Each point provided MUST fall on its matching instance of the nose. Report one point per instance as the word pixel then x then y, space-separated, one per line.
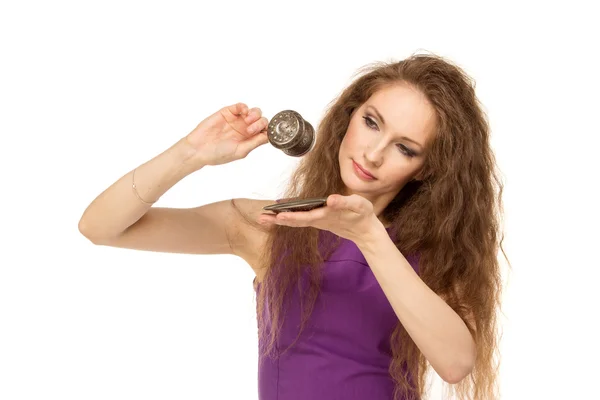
pixel 374 153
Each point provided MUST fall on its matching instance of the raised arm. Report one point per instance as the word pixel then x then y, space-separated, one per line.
pixel 123 216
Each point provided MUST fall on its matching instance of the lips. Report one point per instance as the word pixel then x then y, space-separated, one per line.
pixel 367 173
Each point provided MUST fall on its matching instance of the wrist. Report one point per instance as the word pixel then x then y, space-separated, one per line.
pixel 186 156
pixel 373 235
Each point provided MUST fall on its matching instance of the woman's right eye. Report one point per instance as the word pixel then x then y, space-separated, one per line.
pixel 370 123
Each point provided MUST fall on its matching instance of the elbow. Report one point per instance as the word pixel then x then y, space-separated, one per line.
pixel 84 229
pixel 89 233
pixel 460 369
pixel 456 375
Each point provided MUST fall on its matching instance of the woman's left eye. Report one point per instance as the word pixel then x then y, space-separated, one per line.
pixel 370 123
pixel 373 125
pixel 406 151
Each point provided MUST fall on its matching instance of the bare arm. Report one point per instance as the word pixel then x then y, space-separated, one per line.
pixel 438 331
pixel 117 217
pixel 117 208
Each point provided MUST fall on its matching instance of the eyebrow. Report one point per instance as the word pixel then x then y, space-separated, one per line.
pixel 383 123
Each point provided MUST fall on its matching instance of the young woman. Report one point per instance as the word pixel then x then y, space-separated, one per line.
pixel 396 273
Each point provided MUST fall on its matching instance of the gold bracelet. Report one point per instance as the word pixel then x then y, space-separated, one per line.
pixel 136 192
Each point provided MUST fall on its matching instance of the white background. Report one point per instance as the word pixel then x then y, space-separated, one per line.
pixel 90 90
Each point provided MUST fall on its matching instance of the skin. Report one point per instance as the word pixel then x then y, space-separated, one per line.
pixel 387 136
pixel 386 148
pixel 393 152
pixel 118 218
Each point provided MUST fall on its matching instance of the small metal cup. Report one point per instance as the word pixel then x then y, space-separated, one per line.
pixel 290 133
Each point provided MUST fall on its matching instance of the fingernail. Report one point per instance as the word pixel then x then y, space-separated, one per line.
pixel 251 129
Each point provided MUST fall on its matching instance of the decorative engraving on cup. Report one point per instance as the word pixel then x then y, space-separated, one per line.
pixel 290 133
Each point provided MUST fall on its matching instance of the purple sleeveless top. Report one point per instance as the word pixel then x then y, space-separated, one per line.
pixel 344 351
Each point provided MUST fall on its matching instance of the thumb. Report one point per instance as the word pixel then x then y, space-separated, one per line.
pixel 255 141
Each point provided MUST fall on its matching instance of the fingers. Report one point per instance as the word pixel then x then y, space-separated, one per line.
pixel 259 125
pixel 337 201
pixel 353 203
pixel 238 109
pixel 253 114
pixel 301 219
pixel 252 143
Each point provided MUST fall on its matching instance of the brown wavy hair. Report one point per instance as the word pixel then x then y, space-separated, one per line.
pixel 451 218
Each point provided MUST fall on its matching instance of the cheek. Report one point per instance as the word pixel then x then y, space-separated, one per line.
pixel 352 138
pixel 405 172
pixel 400 170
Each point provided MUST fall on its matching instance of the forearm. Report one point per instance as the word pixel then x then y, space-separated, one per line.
pixel 437 330
pixel 118 207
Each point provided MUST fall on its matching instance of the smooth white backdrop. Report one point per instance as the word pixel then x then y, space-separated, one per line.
pixel 90 90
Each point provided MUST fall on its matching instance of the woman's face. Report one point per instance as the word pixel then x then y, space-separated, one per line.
pixel 386 137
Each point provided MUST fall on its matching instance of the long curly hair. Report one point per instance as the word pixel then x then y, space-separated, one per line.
pixel 451 218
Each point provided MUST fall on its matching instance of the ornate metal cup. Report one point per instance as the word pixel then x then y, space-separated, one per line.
pixel 290 133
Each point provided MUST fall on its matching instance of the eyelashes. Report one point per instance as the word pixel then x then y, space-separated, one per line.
pixel 370 123
pixel 373 126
